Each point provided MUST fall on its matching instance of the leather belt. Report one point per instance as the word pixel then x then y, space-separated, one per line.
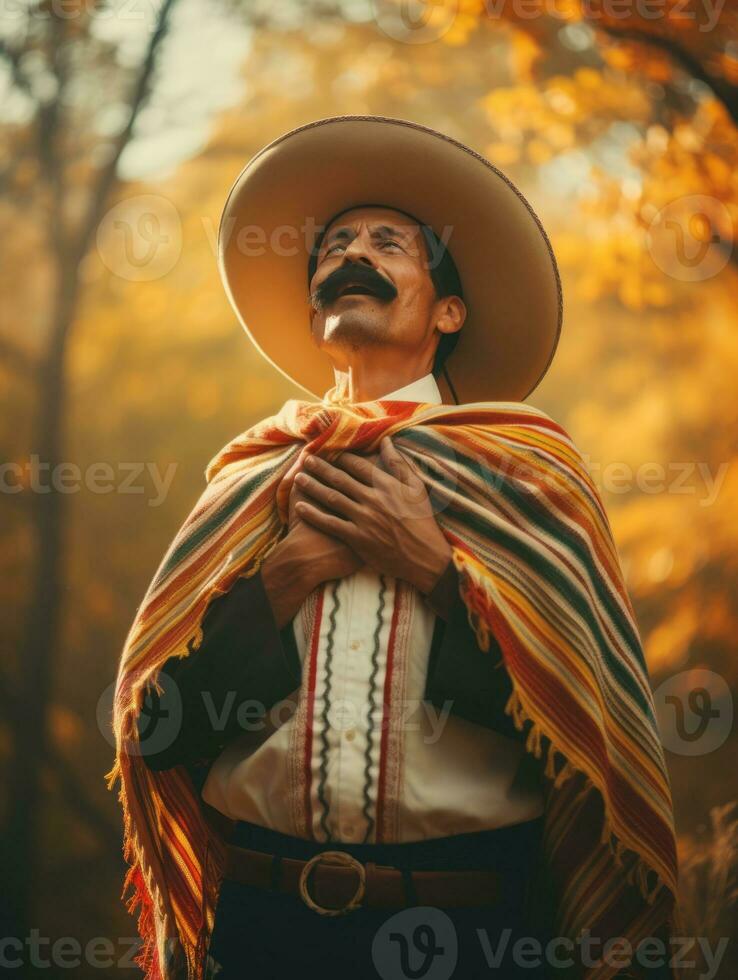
pixel 335 882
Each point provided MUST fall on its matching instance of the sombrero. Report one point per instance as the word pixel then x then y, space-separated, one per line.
pixel 293 187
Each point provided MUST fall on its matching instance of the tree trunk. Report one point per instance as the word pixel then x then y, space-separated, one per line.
pixel 41 634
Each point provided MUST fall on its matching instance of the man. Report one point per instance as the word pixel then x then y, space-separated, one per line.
pixel 377 581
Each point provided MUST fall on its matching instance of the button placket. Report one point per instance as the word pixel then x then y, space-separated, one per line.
pixel 362 613
pixel 381 616
pixel 346 594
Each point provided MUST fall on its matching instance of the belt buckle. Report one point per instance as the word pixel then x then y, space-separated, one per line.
pixel 336 858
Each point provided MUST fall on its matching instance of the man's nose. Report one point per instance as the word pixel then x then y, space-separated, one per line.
pixel 359 250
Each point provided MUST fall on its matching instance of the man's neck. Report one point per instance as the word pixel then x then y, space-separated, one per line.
pixel 369 387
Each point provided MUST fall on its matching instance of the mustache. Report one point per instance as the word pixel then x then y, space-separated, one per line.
pixel 359 275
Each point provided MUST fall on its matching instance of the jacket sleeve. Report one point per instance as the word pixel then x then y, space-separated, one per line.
pixel 470 682
pixel 243 657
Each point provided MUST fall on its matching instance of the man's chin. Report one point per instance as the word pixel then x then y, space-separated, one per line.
pixel 354 325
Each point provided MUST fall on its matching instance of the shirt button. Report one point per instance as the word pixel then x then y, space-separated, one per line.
pixel 355 644
pixel 347 830
pixel 350 734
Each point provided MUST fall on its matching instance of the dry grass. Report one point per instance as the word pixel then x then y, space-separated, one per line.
pixel 709 883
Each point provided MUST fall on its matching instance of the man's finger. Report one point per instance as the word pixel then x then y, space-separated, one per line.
pixel 336 476
pixel 327 496
pixel 363 469
pixel 395 462
pixel 329 523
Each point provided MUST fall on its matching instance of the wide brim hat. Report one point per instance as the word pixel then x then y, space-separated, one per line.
pixel 292 189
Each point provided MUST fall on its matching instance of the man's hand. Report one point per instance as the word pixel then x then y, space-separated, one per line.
pixel 303 559
pixel 331 556
pixel 383 513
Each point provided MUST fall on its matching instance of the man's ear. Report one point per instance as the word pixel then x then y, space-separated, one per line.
pixel 450 315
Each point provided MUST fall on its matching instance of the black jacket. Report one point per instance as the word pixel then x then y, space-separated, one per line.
pixel 243 656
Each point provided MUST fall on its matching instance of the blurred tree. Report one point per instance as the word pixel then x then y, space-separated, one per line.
pixel 667 75
pixel 55 163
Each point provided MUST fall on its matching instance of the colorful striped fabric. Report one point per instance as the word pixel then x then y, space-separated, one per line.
pixel 539 570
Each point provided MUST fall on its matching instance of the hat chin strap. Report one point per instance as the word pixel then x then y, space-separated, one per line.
pixel 450 385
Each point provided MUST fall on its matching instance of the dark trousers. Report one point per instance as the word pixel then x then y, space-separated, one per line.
pixel 261 935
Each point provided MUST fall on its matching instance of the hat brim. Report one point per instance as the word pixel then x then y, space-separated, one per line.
pixel 296 184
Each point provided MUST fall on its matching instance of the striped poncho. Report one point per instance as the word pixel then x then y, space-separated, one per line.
pixel 539 571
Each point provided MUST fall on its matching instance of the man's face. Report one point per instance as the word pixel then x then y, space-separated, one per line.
pixel 372 285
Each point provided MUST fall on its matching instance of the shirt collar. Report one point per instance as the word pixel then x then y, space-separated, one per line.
pixel 422 389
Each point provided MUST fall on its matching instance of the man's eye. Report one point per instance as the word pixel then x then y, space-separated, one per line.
pixel 382 244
